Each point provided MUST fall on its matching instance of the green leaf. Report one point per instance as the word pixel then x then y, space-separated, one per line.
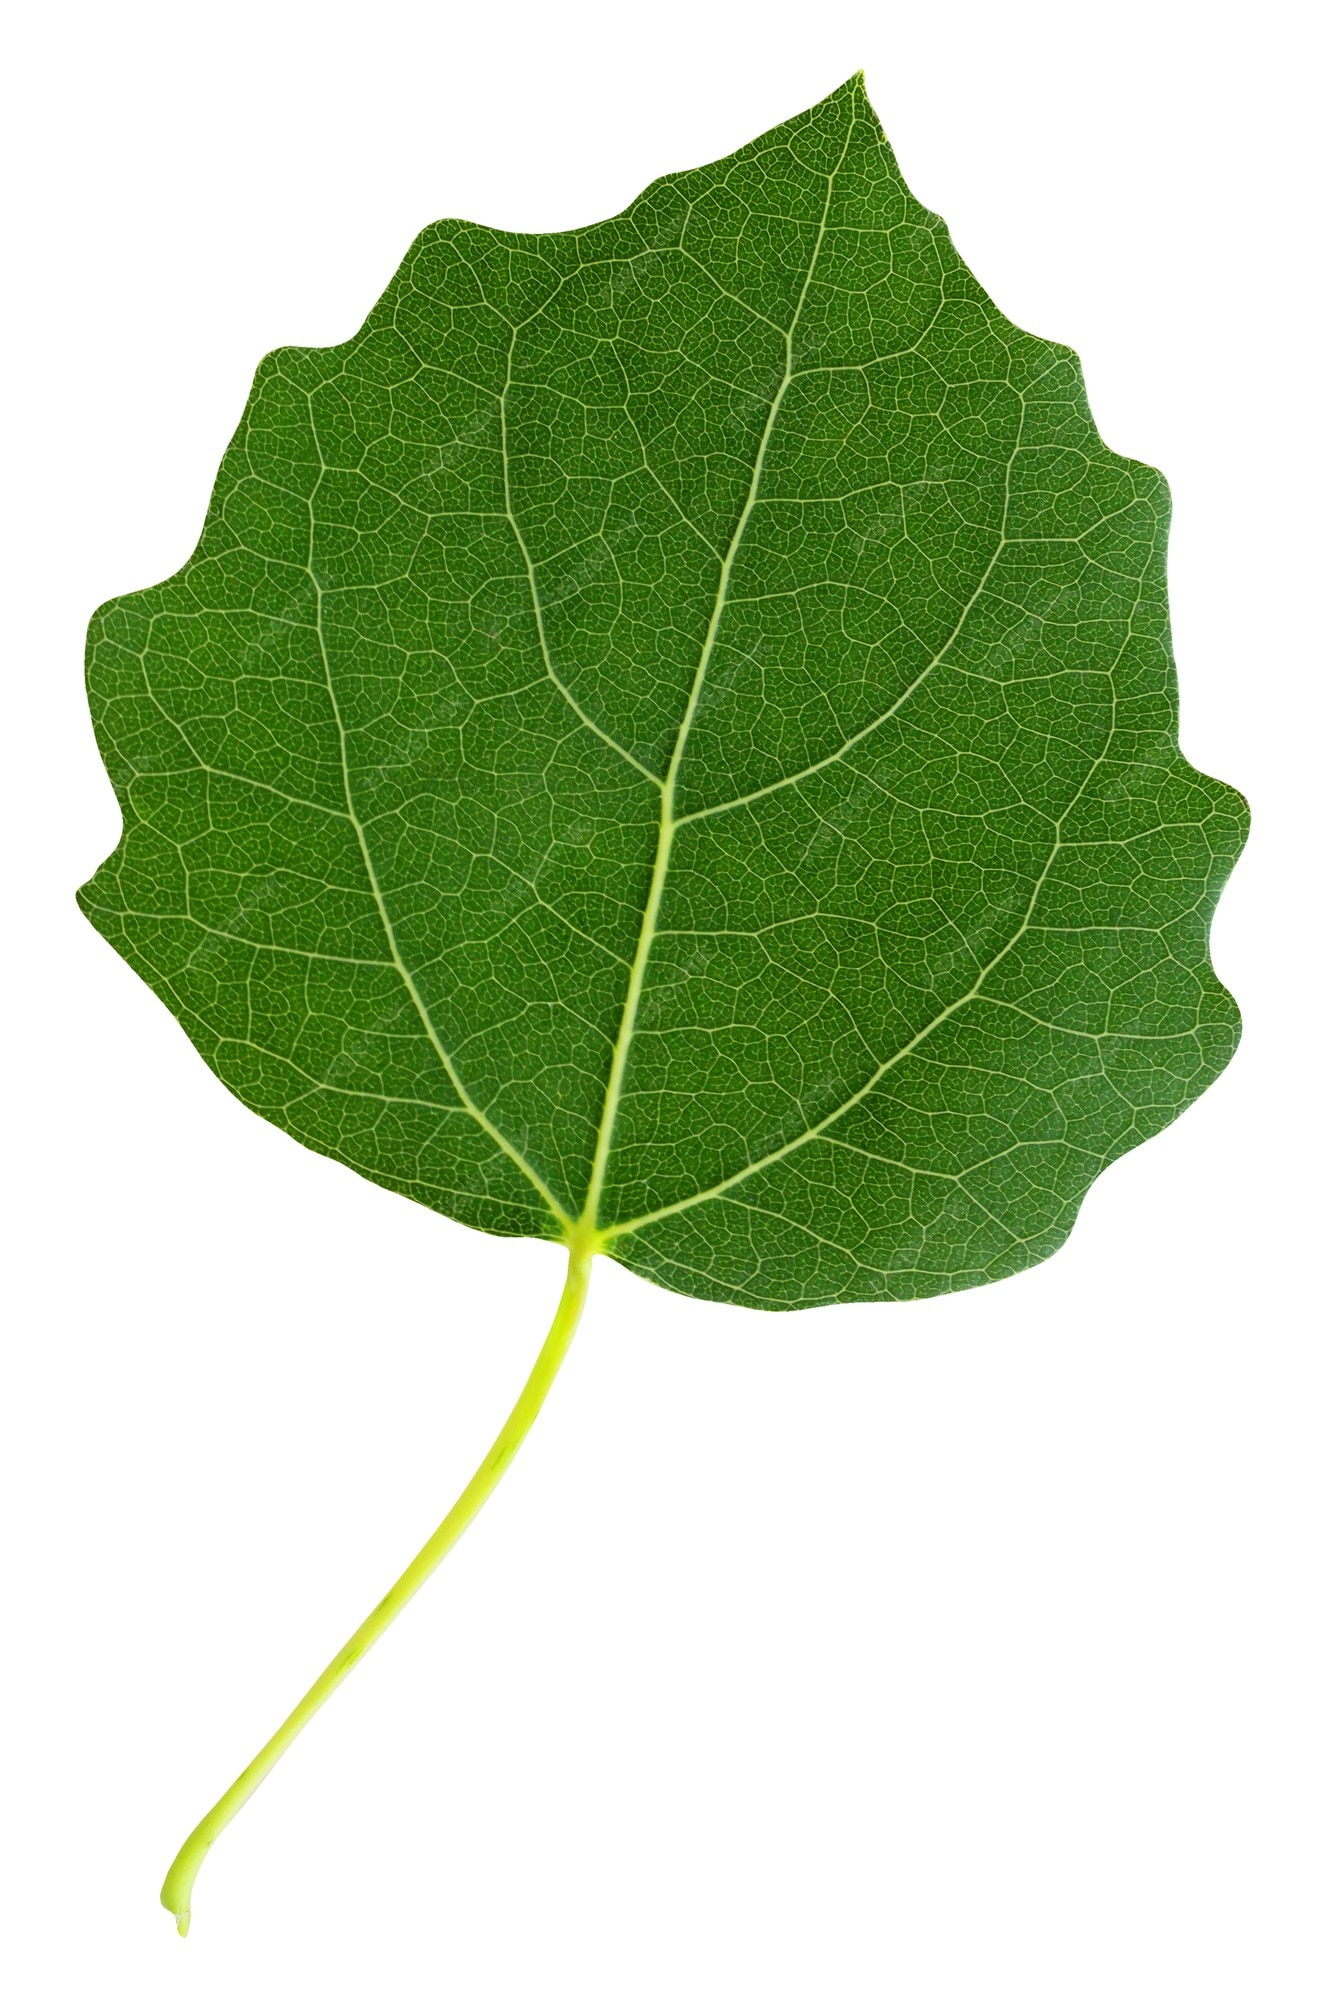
pixel 668 742
pixel 674 723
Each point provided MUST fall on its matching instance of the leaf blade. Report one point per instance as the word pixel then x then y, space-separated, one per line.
pixel 748 715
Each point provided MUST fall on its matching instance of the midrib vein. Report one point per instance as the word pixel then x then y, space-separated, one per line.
pixel 667 821
pixel 469 1104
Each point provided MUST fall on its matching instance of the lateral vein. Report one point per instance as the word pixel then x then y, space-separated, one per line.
pixel 537 612
pixel 493 1132
pixel 818 1130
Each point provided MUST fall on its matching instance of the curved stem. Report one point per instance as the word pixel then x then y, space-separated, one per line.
pixel 180 1876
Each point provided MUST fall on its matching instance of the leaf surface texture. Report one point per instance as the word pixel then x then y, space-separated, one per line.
pixel 674 723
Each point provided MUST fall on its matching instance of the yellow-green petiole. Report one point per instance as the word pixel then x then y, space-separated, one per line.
pixel 583 1244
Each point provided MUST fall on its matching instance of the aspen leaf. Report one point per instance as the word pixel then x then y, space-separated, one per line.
pixel 668 743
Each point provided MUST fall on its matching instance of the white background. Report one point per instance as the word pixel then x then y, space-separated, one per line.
pixel 952 1651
